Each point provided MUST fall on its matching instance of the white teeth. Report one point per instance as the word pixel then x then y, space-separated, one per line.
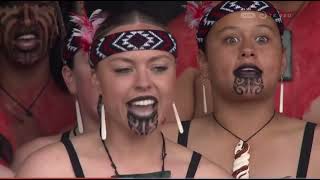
pixel 27 36
pixel 248 69
pixel 143 102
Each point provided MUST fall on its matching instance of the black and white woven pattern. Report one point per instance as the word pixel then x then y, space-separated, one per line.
pixel 132 41
pixel 226 7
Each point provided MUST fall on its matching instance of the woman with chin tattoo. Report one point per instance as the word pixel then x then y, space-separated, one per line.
pixel 240 46
pixel 133 61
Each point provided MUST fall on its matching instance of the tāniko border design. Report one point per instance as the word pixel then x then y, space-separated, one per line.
pixel 132 41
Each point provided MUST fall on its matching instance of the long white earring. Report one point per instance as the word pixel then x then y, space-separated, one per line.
pixel 103 123
pixel 177 118
pixel 79 118
pixel 205 110
pixel 281 96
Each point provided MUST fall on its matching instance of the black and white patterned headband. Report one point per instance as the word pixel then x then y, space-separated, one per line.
pixel 226 7
pixel 132 41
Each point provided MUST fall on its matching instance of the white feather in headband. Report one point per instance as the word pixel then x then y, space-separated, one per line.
pixel 87 26
pixel 195 10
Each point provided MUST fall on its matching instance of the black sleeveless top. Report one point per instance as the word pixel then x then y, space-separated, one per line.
pixel 65 136
pixel 304 153
pixel 77 169
pixel 65 139
pixel 6 150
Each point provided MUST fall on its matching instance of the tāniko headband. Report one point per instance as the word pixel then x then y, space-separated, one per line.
pixel 71 46
pixel 132 41
pixel 226 7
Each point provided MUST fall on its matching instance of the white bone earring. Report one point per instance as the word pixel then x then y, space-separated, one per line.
pixel 103 123
pixel 204 78
pixel 177 118
pixel 205 109
pixel 101 112
pixel 79 118
pixel 281 96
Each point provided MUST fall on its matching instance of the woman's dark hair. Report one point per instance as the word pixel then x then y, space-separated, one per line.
pixel 127 15
pixel 165 11
pixel 69 26
pixel 55 53
pixel 6 150
pixel 124 12
pixel 67 7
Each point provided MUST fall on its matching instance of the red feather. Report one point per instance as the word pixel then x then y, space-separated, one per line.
pixel 195 10
pixel 87 27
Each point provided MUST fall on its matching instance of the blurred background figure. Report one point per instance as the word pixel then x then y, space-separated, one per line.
pixel 31 94
pixel 77 77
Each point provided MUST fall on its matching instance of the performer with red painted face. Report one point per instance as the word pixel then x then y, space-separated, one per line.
pixel 240 46
pixel 31 36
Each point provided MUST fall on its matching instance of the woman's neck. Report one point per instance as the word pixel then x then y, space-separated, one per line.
pixel 243 118
pixel 89 126
pixel 140 145
pixel 127 149
pixel 90 121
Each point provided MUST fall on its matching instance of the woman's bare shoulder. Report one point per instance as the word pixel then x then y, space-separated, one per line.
pixel 49 161
pixel 290 125
pixel 5 172
pixel 26 149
